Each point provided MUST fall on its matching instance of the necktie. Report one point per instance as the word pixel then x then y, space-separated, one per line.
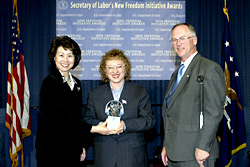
pixel 179 75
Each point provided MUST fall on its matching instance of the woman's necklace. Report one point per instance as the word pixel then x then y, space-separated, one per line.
pixel 68 80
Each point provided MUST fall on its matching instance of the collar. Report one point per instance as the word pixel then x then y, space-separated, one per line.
pixel 119 89
pixel 72 81
pixel 117 93
pixel 188 61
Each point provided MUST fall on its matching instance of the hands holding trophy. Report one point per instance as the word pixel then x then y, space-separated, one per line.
pixel 110 100
pixel 114 109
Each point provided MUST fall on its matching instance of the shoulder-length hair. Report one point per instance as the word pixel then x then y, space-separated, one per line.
pixel 115 54
pixel 67 43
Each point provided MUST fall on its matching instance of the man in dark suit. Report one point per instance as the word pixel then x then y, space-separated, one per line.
pixel 193 105
pixel 125 145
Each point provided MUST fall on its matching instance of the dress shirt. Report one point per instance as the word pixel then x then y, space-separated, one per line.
pixel 187 62
pixel 117 93
pixel 72 81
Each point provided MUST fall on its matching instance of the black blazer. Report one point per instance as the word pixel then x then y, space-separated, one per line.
pixel 129 148
pixel 61 134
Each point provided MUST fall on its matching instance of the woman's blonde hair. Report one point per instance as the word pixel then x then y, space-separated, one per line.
pixel 115 54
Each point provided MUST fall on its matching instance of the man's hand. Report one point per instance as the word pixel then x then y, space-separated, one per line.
pixel 201 156
pixel 164 157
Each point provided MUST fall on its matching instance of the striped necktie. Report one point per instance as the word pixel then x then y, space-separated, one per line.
pixel 178 79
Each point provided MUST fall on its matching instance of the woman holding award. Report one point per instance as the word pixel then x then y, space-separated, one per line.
pixel 126 103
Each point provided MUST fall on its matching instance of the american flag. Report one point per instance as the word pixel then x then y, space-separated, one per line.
pixel 17 110
pixel 231 132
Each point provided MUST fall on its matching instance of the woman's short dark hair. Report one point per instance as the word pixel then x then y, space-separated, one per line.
pixel 115 54
pixel 67 43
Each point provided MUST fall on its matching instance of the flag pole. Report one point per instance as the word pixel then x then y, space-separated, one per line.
pixel 15 6
pixel 18 31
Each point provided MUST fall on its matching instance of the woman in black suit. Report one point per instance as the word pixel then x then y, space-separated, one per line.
pixel 62 136
pixel 124 145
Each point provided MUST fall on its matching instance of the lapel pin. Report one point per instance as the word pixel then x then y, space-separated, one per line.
pixel 124 101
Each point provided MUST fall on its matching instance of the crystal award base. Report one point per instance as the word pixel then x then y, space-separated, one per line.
pixel 113 122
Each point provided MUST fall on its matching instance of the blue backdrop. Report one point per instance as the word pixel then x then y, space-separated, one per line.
pixel 37 23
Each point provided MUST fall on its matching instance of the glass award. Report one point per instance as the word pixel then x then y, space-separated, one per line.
pixel 114 109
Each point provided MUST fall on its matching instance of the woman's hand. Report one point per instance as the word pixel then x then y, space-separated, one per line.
pixel 101 129
pixel 83 155
pixel 118 130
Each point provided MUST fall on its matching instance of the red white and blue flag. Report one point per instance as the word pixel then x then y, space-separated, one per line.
pixel 18 119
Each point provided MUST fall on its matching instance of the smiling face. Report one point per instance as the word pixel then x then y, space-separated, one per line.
pixel 115 71
pixel 64 60
pixel 186 48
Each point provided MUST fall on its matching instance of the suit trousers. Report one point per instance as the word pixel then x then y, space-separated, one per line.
pixel 207 163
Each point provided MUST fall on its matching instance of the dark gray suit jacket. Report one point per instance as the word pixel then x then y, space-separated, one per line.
pixel 129 148
pixel 182 118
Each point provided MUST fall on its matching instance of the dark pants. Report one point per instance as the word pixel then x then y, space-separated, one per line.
pixel 207 163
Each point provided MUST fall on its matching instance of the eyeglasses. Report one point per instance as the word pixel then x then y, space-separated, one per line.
pixel 181 39
pixel 112 68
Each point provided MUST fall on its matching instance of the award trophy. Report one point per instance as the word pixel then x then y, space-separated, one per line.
pixel 114 109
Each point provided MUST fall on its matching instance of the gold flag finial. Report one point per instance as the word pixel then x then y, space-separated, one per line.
pixel 225 10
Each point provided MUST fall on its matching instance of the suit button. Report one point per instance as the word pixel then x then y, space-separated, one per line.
pixel 168 115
